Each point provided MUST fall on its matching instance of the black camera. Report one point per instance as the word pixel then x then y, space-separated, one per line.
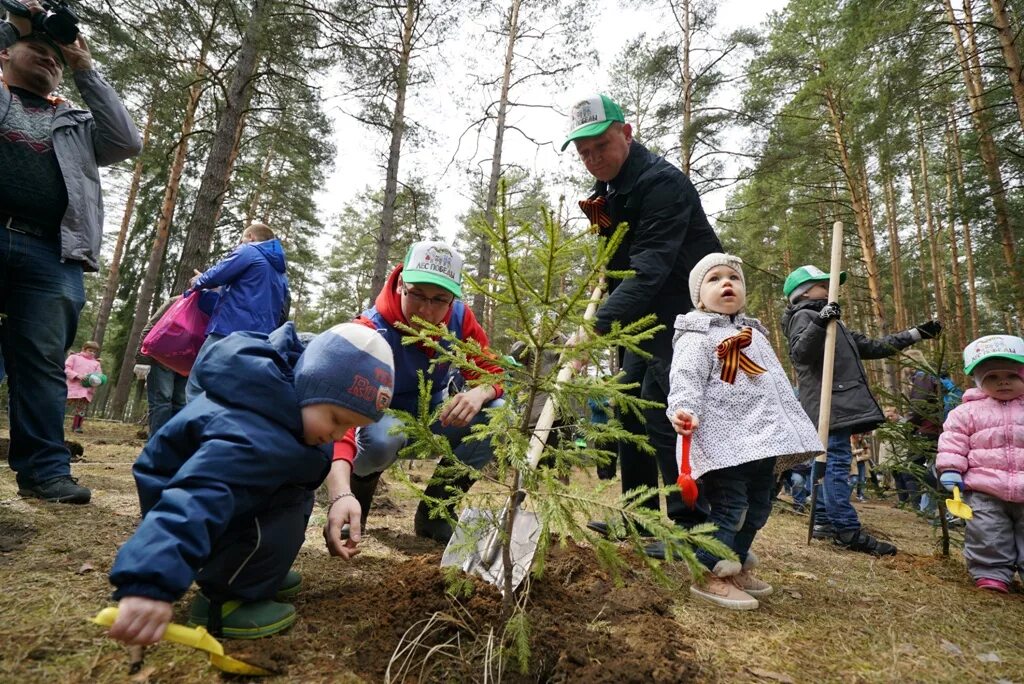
pixel 58 20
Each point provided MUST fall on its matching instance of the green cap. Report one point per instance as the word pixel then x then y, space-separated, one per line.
pixel 433 263
pixel 807 274
pixel 1008 347
pixel 591 117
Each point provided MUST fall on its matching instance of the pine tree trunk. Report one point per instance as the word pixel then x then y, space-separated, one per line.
pixel 860 202
pixel 895 253
pixel 972 290
pixel 922 265
pixel 954 255
pixel 926 198
pixel 970 68
pixel 382 258
pixel 1014 70
pixel 151 276
pixel 114 270
pixel 1007 319
pixel 686 78
pixel 257 193
pixel 484 265
pixel 214 185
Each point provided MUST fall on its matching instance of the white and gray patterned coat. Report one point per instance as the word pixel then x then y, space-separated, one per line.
pixel 754 418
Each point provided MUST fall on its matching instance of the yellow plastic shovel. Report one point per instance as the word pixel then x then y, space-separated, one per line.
pixel 958 507
pixel 198 638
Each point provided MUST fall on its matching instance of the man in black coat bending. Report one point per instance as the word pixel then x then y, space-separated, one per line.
pixel 668 234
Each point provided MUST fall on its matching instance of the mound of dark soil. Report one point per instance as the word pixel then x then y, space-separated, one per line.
pixel 583 626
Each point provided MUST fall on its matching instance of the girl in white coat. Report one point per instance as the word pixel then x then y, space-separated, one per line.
pixel 730 392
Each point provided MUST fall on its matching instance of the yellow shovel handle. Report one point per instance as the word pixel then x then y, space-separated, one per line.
pixel 186 636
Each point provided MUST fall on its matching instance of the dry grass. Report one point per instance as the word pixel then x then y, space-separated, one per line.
pixel 835 617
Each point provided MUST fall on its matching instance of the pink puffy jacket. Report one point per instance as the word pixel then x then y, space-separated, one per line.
pixel 983 439
pixel 76 367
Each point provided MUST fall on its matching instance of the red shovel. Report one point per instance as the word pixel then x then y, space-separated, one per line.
pixel 687 485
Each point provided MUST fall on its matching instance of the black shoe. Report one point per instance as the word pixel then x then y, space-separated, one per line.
pixel 449 491
pixel 859 540
pixel 438 529
pixel 63 489
pixel 657 550
pixel 601 527
pixel 823 531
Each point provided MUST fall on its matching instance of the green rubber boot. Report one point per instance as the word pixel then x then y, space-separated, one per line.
pixel 240 620
pixel 291 586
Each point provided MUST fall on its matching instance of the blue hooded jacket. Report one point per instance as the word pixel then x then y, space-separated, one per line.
pixel 254 289
pixel 218 462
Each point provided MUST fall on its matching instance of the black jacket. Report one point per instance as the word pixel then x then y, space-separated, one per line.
pixel 853 406
pixel 668 235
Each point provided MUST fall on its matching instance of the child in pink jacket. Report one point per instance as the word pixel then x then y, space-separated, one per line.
pixel 84 374
pixel 982 450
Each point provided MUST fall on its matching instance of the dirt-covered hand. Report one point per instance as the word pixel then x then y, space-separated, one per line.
pixel 344 511
pixel 929 330
pixel 828 312
pixel 141 621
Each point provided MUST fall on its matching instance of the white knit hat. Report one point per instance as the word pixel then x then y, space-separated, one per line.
pixel 708 263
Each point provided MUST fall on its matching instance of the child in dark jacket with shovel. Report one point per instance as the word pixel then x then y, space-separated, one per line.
pixel 730 392
pixel 854 409
pixel 226 487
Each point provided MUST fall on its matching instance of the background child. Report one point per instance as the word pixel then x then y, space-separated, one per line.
pixel 78 368
pixel 728 388
pixel 982 448
pixel 859 470
pixel 226 487
pixel 854 409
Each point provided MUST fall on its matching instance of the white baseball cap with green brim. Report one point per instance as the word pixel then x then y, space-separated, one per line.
pixel 433 263
pixel 993 347
pixel 592 117
pixel 807 275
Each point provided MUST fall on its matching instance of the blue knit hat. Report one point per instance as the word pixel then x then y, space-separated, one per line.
pixel 350 366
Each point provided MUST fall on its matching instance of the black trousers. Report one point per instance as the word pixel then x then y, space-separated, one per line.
pixel 250 560
pixel 640 469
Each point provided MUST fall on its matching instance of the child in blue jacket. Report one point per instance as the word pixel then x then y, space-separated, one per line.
pixel 226 487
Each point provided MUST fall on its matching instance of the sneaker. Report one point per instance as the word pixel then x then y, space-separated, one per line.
pixel 757 588
pixel 240 620
pixel 291 586
pixel 62 489
pixel 992 585
pixel 723 592
pixel 859 540
pixel 861 499
pixel 823 531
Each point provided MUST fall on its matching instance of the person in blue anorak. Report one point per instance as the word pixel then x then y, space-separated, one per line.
pixel 253 286
pixel 226 487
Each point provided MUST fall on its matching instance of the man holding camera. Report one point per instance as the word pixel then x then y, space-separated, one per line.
pixel 51 225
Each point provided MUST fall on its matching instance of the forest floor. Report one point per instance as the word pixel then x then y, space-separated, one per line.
pixel 836 616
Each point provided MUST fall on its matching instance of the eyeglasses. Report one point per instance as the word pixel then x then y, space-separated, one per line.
pixel 423 300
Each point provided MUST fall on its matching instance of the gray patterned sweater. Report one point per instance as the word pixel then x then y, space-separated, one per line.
pixel 756 417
